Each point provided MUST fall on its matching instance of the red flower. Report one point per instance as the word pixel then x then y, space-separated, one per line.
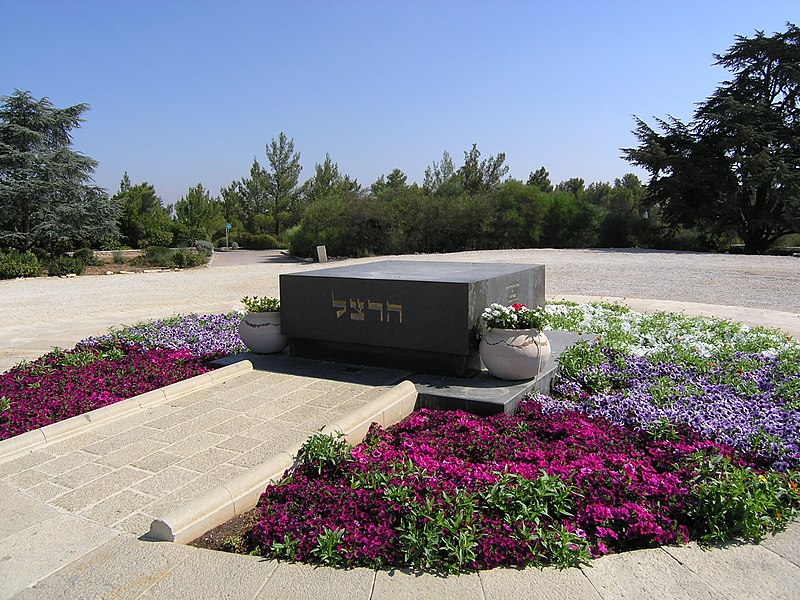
pixel 518 306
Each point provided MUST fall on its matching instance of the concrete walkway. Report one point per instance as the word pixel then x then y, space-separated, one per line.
pixel 70 514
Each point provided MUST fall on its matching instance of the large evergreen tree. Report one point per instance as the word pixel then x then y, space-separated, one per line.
pixel 47 198
pixel 282 190
pixel 736 166
pixel 143 221
pixel 199 216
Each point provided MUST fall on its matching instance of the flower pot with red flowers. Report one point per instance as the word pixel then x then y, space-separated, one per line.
pixel 514 346
pixel 260 327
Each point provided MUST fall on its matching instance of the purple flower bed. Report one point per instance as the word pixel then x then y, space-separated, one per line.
pixel 450 491
pixel 64 384
pixel 106 369
pixel 208 336
pixel 749 401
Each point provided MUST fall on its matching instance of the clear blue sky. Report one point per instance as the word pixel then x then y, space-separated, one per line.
pixel 183 92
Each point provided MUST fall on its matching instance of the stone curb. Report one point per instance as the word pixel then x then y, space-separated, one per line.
pixel 40 438
pixel 201 514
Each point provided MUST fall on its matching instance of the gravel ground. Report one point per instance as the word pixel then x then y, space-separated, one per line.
pixel 764 282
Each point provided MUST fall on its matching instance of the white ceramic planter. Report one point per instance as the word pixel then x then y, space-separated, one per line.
pixel 261 332
pixel 515 353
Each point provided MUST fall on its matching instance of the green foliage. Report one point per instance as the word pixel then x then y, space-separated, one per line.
pixel 347 224
pixel 327 549
pixel 540 179
pixel 439 537
pixel 204 247
pixel 260 241
pixel 65 265
pixel 582 362
pixel 733 502
pixel 286 550
pixel 438 173
pixel 261 304
pixel 180 258
pixel 47 197
pixel 733 169
pixel 570 222
pixel 481 175
pixel 281 183
pixel 324 451
pixel 199 216
pixel 14 263
pixel 86 256
pixel 144 221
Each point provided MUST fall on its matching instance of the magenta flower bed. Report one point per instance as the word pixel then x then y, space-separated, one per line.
pixel 450 491
pixel 64 384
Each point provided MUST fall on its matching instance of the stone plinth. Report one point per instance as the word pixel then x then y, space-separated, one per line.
pixel 420 316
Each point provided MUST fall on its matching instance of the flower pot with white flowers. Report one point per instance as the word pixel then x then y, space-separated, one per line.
pixel 260 327
pixel 514 346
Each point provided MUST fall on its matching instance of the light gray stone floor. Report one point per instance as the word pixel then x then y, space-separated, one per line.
pixel 125 473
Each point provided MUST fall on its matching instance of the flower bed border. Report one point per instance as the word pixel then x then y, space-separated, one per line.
pixel 37 439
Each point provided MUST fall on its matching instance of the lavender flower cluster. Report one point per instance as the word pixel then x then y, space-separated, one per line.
pixel 749 401
pixel 208 336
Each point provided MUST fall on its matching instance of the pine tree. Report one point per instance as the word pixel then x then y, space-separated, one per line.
pixel 47 197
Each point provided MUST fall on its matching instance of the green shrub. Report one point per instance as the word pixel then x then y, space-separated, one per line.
pixel 261 304
pixel 156 256
pixel 118 257
pixel 14 263
pixel 733 502
pixel 204 247
pixel 323 450
pixel 184 258
pixel 159 256
pixel 261 241
pixel 86 256
pixel 65 265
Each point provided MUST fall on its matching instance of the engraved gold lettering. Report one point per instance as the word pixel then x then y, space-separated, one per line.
pixel 356 310
pixel 341 305
pixel 393 308
pixel 375 306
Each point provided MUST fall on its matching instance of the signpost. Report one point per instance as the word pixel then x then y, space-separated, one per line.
pixel 227 229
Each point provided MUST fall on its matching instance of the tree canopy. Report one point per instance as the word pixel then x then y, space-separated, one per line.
pixel 282 182
pixel 736 166
pixel 143 221
pixel 47 197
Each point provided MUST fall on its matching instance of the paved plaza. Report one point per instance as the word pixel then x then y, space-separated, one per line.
pixel 72 513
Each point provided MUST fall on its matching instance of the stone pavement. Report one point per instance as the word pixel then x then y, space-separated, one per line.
pixel 70 514
pixel 126 473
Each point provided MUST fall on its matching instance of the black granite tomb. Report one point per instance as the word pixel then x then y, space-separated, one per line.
pixel 422 316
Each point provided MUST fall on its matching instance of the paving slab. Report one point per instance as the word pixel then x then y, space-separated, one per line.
pixel 32 554
pixel 645 574
pixel 786 544
pixel 121 568
pixel 305 582
pixel 209 575
pixel 18 512
pixel 741 571
pixel 403 584
pixel 537 584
